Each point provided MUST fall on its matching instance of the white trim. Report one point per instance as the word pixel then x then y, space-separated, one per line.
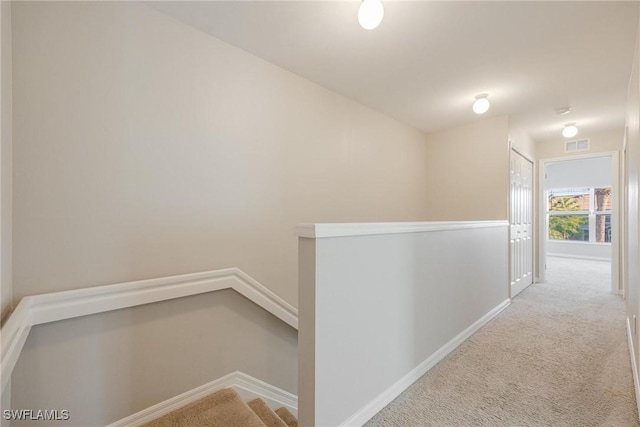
pixel 578 157
pixel 169 405
pixel 543 223
pixel 376 405
pixel 634 366
pixel 250 388
pixel 245 385
pixel 316 231
pixel 13 335
pixel 616 283
pixel 45 308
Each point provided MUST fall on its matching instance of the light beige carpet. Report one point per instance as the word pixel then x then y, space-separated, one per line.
pixel 268 417
pixel 558 356
pixel 225 408
pixel 287 417
pixel 221 409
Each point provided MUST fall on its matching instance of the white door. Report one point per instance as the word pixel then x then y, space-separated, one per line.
pixel 521 219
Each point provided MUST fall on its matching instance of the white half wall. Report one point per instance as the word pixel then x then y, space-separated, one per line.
pixel 374 308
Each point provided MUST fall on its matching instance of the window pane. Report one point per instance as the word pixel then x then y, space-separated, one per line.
pixel 569 199
pixel 603 228
pixel 569 227
pixel 603 199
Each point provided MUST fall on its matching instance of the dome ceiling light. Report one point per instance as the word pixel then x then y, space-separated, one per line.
pixel 481 104
pixel 570 130
pixel 370 14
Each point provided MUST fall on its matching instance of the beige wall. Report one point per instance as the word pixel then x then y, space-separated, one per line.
pixel 6 146
pixel 468 171
pixel 6 189
pixel 631 251
pixel 521 141
pixel 599 142
pixel 145 148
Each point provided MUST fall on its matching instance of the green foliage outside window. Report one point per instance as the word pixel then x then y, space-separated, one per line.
pixel 563 227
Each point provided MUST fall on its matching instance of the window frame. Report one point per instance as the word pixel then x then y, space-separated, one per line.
pixel 591 214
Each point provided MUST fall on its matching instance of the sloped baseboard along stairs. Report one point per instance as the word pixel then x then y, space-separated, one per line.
pixel 225 408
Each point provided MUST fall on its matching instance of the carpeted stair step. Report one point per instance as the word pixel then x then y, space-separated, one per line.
pixel 221 409
pixel 268 417
pixel 287 417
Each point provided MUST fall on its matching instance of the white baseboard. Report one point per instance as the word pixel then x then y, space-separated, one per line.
pixel 250 388
pixel 245 385
pixel 516 288
pixel 634 366
pixel 386 397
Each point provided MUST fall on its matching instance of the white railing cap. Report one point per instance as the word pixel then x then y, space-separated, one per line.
pixel 320 230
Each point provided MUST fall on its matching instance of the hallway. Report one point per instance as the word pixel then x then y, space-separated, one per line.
pixel 557 356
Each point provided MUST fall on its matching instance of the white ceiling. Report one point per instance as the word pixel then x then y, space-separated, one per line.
pixel 428 59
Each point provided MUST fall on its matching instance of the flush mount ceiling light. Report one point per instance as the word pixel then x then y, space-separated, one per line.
pixel 370 14
pixel 482 104
pixel 570 130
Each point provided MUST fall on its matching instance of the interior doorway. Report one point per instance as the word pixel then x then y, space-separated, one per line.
pixel 579 212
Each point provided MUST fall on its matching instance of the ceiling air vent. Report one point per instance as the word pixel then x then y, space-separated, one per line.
pixel 578 145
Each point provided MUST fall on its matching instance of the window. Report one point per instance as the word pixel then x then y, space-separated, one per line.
pixel 580 214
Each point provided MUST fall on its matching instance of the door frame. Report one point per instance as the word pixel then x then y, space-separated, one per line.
pixel 616 283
